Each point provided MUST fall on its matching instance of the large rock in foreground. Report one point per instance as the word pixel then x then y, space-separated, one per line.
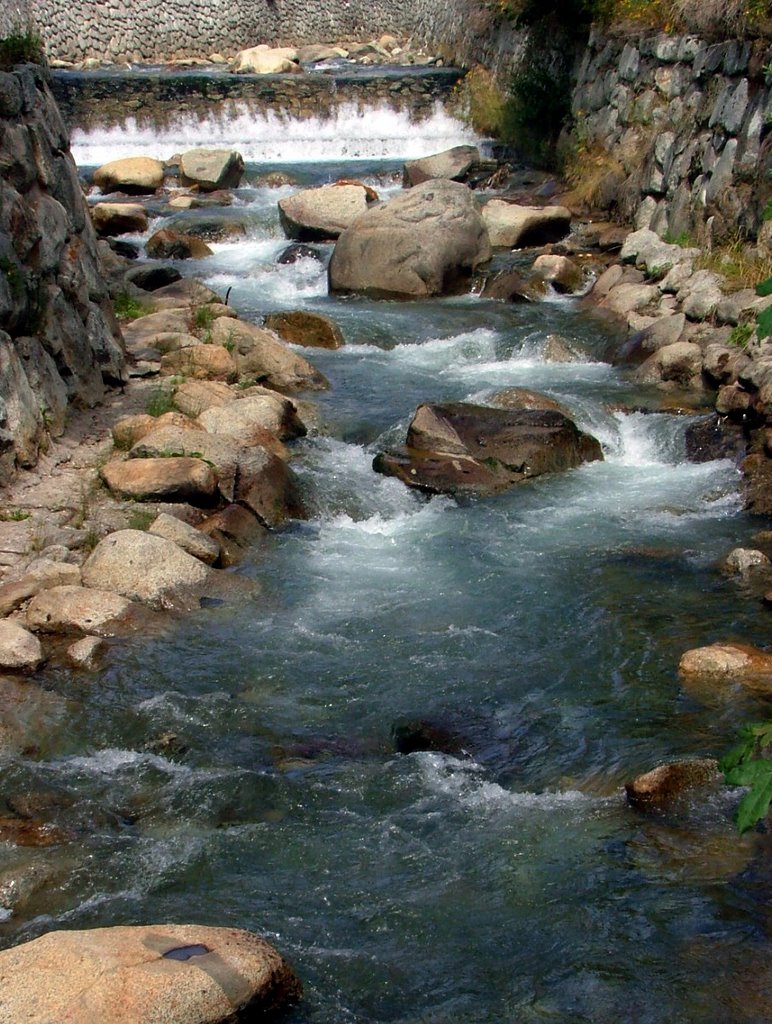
pixel 721 666
pixel 461 448
pixel 178 974
pixel 427 241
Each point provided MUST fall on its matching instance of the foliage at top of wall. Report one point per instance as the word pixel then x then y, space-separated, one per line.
pixel 706 17
pixel 22 44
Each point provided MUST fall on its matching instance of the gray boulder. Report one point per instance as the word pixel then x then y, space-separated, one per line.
pixel 211 169
pixel 515 226
pixel 20 651
pixel 145 568
pixel 427 241
pixel 453 164
pixel 316 214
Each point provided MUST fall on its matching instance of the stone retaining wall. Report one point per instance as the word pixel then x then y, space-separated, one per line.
pixel 59 341
pixel 13 14
pixel 685 129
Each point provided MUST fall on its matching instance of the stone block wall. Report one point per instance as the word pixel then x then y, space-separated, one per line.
pixel 59 341
pixel 151 30
pixel 686 128
pixel 13 14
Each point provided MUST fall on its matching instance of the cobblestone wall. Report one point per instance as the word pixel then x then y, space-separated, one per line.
pixel 144 30
pixel 685 128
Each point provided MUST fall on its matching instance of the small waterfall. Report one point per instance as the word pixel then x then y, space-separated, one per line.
pixel 264 137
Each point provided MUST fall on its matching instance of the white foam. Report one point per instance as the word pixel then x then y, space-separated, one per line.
pixel 348 133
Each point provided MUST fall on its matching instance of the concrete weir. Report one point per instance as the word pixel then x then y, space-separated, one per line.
pixel 156 97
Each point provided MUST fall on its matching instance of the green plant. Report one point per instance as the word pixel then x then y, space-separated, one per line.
pixel 764 319
pixel 126 307
pixel 740 266
pixel 20 46
pixel 683 238
pixel 741 335
pixel 160 402
pixel 14 515
pixel 140 519
pixel 230 341
pixel 747 765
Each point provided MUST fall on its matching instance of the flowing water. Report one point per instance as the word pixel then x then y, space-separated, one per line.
pixel 542 628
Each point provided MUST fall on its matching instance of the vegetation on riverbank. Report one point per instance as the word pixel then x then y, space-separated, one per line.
pixel 22 44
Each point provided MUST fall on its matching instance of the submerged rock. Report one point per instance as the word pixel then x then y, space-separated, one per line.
pixel 727 664
pixel 178 974
pixel 415 734
pixel 427 241
pixel 663 786
pixel 462 448
pixel 299 327
pixel 298 251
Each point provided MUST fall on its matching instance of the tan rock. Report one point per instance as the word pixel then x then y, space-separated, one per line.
pixel 170 973
pixel 130 429
pixel 316 214
pixel 173 478
pixel 517 226
pixel 561 272
pixel 79 609
pixel 679 363
pixel 742 561
pixel 146 568
pixel 20 651
pixel 211 169
pixel 201 362
pixel 727 664
pixel 187 537
pixel 303 328
pixel 167 244
pixel 235 529
pixel 261 355
pixel 40 575
pixel 270 411
pixel 662 787
pixel 220 454
pixel 118 218
pixel 524 398
pixel 195 396
pixel 265 60
pixel 135 175
pixel 182 294
pixel 86 653
pixel 268 487
pixel 142 331
pixel 453 164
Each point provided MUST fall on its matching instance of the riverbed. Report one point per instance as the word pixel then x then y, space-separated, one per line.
pixel 540 630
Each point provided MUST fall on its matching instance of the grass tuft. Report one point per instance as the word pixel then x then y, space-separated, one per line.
pixel 22 45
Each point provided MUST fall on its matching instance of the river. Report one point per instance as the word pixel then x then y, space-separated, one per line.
pixel 507 881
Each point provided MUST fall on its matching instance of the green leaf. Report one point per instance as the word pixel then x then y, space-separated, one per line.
pixel 765 287
pixel 755 804
pixel 751 773
pixel 764 324
pixel 740 753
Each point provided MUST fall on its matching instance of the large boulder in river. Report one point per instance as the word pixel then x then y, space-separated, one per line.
pixel 517 226
pixel 145 568
pixel 300 327
pixel 668 784
pixel 722 666
pixel 427 241
pixel 135 175
pixel 453 164
pixel 211 169
pixel 173 973
pixel 260 355
pixel 168 244
pixel 316 214
pixel 460 448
